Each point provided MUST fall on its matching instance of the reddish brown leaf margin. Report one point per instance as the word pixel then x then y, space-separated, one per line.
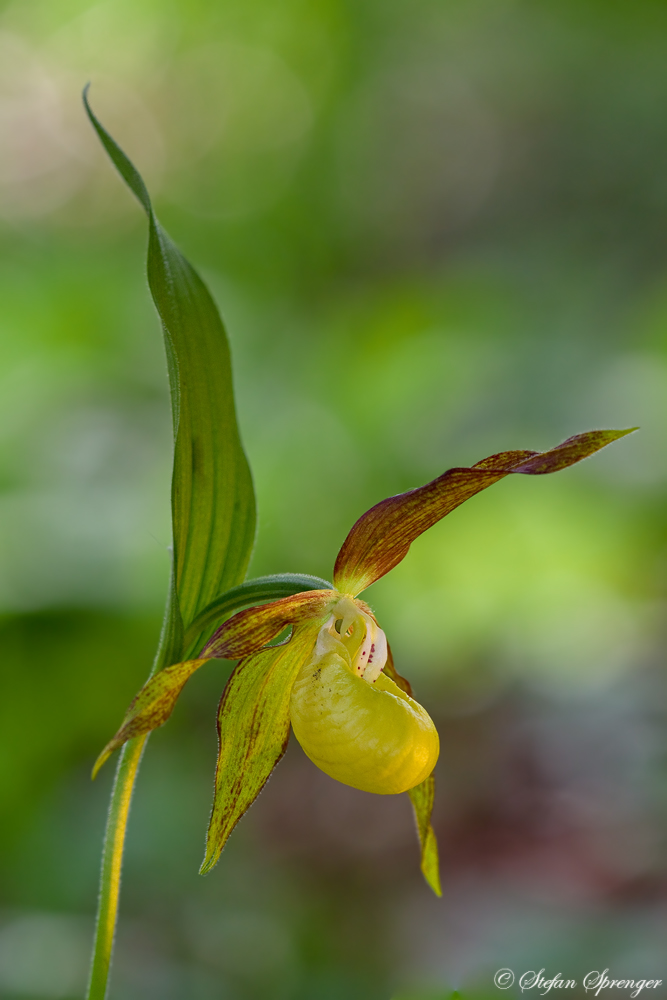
pixel 253 730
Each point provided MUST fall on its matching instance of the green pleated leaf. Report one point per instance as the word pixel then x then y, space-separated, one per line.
pixel 249 594
pixel 253 730
pixel 151 707
pixel 213 503
pixel 422 802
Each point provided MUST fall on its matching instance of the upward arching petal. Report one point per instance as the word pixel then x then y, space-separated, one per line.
pixel 382 536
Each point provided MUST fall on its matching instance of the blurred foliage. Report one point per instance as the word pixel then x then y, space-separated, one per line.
pixel 437 230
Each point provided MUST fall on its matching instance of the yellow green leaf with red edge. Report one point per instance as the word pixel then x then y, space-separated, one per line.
pixel 253 731
pixel 422 797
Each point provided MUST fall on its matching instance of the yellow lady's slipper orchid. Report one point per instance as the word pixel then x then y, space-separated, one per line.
pixel 334 679
pixel 352 720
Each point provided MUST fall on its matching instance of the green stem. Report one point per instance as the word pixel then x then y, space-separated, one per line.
pixel 112 860
pixel 168 651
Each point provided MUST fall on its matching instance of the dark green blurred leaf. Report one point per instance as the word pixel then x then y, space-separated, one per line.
pixel 213 504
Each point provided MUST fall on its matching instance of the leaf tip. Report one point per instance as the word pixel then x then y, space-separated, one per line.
pixel 86 102
pixel 615 435
pixel 430 865
pixel 101 760
pixel 208 864
pixel 433 881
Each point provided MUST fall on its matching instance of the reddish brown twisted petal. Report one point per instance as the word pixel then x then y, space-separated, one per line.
pixel 382 536
pixel 249 630
pixel 390 670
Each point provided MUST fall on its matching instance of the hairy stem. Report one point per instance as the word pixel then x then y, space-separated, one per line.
pixel 112 859
pixel 168 651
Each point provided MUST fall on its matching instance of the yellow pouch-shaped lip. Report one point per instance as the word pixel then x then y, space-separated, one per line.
pixel 370 736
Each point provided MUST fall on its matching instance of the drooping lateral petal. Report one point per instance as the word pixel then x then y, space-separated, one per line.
pixel 422 802
pixel 152 706
pixel 251 629
pixel 253 730
pixel 382 536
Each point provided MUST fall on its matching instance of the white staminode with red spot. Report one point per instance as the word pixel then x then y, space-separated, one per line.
pixel 364 640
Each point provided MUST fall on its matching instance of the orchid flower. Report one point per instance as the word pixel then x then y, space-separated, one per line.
pixel 334 678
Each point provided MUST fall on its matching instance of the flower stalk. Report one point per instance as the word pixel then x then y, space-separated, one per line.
pixel 112 861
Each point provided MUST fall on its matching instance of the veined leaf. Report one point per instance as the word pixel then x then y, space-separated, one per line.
pixel 422 797
pixel 381 537
pixel 253 730
pixel 249 594
pixel 213 504
pixel 152 706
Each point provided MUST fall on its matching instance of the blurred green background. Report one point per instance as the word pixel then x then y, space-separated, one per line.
pixel 436 229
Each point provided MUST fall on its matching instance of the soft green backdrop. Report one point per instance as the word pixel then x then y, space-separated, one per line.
pixel 436 229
